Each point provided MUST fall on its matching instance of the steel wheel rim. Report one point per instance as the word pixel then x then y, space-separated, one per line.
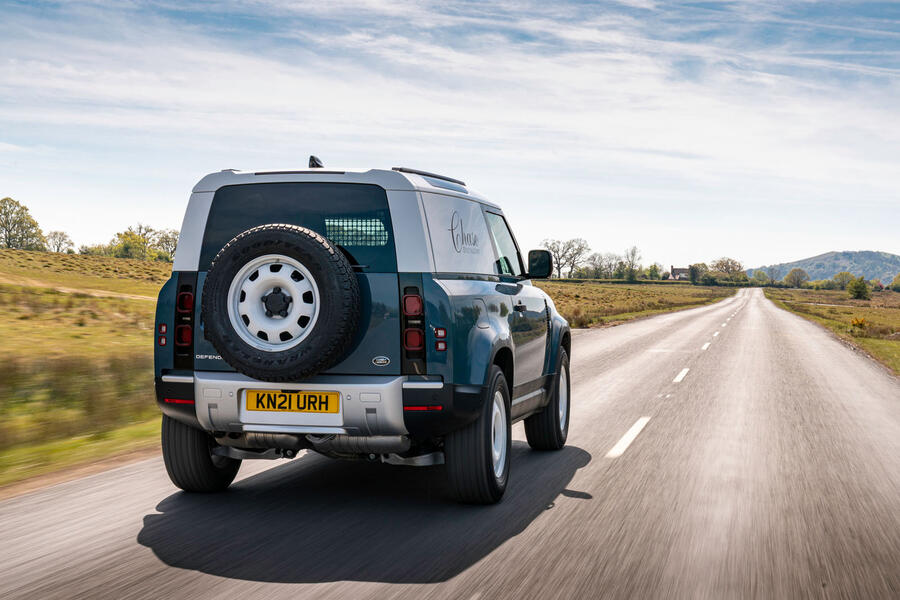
pixel 563 395
pixel 292 284
pixel 498 434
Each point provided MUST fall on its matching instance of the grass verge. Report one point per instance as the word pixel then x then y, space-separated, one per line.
pixel 872 325
pixel 24 462
pixel 587 304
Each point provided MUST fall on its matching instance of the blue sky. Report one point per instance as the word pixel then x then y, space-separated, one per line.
pixel 766 131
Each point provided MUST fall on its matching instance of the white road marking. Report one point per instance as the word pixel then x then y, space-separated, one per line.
pixel 681 375
pixel 622 445
pixel 715 334
pixel 705 346
pixel 725 324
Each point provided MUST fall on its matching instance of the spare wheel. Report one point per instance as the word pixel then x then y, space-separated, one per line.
pixel 280 303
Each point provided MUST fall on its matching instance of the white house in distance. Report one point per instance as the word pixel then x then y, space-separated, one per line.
pixel 678 273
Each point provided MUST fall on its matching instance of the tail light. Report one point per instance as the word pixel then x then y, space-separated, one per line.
pixel 185 302
pixel 413 340
pixel 182 331
pixel 413 337
pixel 184 335
pixel 413 306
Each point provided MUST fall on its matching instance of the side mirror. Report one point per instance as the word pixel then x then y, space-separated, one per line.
pixel 540 264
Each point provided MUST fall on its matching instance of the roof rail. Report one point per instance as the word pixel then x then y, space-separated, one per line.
pixel 427 174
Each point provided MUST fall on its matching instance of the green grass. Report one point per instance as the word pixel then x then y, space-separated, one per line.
pixel 44 323
pixel 877 321
pixel 84 273
pixel 24 462
pixel 76 382
pixel 586 304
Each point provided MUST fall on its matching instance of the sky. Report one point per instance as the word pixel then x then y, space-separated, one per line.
pixel 765 131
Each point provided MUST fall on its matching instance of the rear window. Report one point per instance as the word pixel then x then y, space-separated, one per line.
pixel 353 216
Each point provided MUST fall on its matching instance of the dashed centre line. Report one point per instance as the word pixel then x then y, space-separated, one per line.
pixel 622 445
pixel 705 346
pixel 681 375
pixel 715 334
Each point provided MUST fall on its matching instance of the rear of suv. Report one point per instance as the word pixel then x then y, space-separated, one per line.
pixel 380 314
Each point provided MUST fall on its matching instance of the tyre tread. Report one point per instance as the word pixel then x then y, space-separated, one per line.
pixel 542 429
pixel 187 460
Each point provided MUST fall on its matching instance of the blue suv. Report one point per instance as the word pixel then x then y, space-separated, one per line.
pixel 384 315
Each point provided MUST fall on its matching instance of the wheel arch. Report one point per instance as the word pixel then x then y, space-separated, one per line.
pixel 503 358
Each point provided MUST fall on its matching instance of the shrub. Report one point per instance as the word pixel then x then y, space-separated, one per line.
pixel 858 290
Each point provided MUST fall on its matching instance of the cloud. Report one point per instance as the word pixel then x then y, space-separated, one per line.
pixel 677 110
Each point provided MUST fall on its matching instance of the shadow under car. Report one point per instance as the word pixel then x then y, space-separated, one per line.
pixel 317 519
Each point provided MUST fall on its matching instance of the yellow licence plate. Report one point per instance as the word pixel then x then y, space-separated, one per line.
pixel 290 401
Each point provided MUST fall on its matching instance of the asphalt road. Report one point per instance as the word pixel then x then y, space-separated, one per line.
pixel 768 466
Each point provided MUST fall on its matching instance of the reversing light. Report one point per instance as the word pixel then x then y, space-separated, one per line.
pixel 440 333
pixel 162 340
pixel 440 346
pixel 162 327
pixel 413 305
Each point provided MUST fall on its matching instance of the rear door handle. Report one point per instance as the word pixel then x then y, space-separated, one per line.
pixel 520 307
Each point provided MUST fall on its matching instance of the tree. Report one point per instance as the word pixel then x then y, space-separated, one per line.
pixel 796 278
pixel 96 250
pixel 729 266
pixel 167 241
pixel 696 272
pixel 135 242
pixel 842 279
pixel 774 273
pixel 560 253
pixel 760 277
pixel 713 277
pixel 568 254
pixel 59 241
pixel 578 249
pixel 608 263
pixel 858 289
pixel 602 265
pixel 653 271
pixel 632 258
pixel 17 228
pixel 895 284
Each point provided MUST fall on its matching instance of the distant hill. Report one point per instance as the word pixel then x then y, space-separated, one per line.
pixel 869 264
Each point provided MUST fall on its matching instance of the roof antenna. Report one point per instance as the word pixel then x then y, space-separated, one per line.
pixel 314 162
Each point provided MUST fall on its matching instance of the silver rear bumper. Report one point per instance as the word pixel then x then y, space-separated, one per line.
pixel 370 405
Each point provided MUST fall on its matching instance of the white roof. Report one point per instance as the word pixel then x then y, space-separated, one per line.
pixel 388 179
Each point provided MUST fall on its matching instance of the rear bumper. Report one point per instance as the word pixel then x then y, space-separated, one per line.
pixel 370 405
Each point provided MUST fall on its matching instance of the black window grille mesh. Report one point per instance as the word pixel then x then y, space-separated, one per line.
pixel 356 232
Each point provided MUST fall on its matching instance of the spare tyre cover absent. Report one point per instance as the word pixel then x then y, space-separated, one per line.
pixel 280 303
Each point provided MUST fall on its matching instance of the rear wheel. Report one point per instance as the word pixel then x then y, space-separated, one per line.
pixel 477 456
pixel 190 462
pixel 549 429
